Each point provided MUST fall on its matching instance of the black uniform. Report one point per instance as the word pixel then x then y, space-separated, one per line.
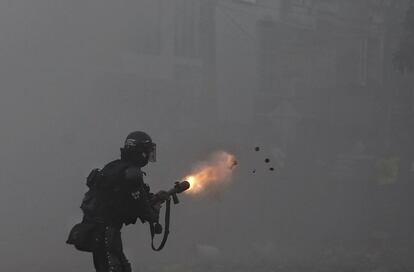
pixel 117 196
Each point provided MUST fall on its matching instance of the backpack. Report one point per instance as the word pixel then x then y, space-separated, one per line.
pixel 101 182
pixel 88 234
pixel 92 199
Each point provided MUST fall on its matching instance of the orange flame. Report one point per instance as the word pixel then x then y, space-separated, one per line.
pixel 212 174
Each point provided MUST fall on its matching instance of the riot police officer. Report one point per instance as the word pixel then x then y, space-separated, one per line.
pixel 117 196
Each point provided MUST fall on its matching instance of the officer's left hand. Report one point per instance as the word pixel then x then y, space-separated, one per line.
pixel 162 195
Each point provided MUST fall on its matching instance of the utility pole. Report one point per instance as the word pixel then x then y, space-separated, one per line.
pixel 208 57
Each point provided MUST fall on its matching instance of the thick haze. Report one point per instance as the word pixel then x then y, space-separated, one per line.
pixel 318 95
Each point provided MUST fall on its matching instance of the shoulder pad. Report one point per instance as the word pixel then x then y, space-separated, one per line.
pixel 133 173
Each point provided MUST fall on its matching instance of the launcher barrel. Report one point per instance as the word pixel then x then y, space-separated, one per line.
pixel 178 188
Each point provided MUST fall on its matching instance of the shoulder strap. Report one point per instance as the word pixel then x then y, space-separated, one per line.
pixel 166 230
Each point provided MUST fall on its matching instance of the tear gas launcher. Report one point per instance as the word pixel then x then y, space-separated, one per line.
pixel 163 196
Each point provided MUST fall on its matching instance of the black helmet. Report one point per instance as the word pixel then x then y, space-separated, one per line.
pixel 139 148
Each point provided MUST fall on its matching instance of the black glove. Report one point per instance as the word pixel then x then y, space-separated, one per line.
pixel 157 228
pixel 149 214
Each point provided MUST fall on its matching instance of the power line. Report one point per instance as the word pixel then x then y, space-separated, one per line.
pixel 233 8
pixel 253 5
pixel 237 24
